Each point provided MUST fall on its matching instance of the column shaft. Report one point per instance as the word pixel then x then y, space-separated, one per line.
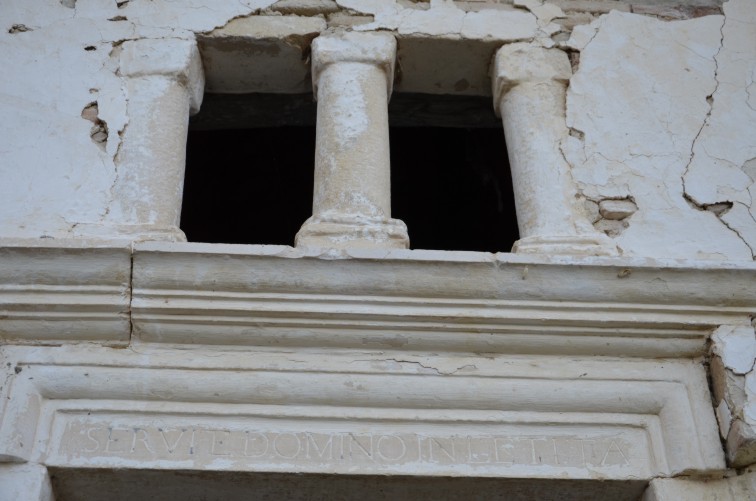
pixel 153 156
pixel 164 83
pixel 352 166
pixel 352 78
pixel 533 140
pixel 529 92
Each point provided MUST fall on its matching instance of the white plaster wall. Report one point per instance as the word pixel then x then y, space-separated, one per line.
pixel 54 176
pixel 642 126
pixel 660 113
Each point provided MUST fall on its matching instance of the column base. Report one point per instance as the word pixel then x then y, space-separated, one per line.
pixel 353 232
pixel 572 245
pixel 134 232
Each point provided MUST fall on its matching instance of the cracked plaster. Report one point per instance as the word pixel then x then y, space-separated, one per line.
pixel 637 107
pixel 734 387
pixel 639 102
pixel 444 18
pixel 717 170
pixel 53 79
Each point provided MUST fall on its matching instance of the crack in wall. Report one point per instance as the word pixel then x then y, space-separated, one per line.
pixel 753 251
pixel 719 208
pixel 710 102
pixel 117 160
pixel 424 368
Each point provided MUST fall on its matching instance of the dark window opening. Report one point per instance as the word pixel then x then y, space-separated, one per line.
pixel 248 186
pixel 252 183
pixel 452 188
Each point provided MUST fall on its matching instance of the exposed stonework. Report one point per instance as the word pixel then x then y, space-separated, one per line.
pixel 734 384
pixel 736 488
pixel 611 215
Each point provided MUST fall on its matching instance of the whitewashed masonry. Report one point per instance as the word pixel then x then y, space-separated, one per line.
pixel 574 367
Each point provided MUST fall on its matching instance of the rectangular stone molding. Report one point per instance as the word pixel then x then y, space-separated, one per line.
pixel 357 413
pixel 352 75
pixel 275 296
pixel 529 88
pixel 164 83
pixel 64 292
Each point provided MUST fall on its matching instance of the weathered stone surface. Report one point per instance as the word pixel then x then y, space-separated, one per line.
pixel 734 385
pixel 305 7
pixel 607 296
pixel 38 197
pixel 529 89
pixel 352 78
pixel 159 74
pixel 547 374
pixel 29 482
pixel 736 346
pixel 617 209
pixel 353 412
pixel 65 292
pixel 340 19
pixel 736 488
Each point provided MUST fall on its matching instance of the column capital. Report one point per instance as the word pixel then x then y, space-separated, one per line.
pixel 374 48
pixel 172 58
pixel 523 62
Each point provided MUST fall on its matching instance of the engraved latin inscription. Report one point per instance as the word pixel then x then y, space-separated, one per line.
pixel 203 444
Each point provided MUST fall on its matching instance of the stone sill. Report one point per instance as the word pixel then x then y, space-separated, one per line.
pixel 417 300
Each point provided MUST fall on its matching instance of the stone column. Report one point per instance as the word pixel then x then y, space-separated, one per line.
pixel 164 85
pixel 529 88
pixel 352 75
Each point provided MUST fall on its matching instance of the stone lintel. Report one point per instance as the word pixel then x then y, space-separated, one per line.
pixel 172 58
pixel 523 62
pixel 349 47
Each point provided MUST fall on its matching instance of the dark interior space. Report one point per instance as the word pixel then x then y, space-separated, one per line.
pixel 247 111
pixel 248 186
pixel 99 484
pixel 452 188
pixel 253 184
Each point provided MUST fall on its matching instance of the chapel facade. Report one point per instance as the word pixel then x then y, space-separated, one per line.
pixel 608 354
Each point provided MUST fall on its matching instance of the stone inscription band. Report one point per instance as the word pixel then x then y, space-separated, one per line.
pixel 359 449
